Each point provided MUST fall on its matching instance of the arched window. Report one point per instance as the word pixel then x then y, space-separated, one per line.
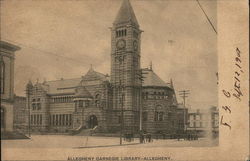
pixel 159 113
pixel 2 75
pixel 97 100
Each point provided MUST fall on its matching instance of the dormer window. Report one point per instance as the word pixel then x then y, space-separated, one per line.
pixel 121 32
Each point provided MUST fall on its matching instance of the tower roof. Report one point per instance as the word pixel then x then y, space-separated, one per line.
pixel 126 14
pixel 152 79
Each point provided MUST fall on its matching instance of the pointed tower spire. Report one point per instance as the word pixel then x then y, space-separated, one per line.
pixel 174 95
pixel 126 14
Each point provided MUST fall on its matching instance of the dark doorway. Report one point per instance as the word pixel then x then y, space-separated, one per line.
pixel 92 121
pixel 2 118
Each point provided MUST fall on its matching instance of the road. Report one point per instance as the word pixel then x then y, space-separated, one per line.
pixel 78 142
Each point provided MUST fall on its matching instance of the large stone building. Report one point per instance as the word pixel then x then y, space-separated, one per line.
pixel 130 98
pixel 7 57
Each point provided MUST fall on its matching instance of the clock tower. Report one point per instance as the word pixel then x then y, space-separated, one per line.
pixel 125 68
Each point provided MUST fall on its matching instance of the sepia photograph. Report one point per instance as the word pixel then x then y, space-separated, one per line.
pixel 110 74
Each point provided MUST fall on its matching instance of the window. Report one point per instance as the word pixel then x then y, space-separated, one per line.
pixel 54 120
pixel 38 106
pixel 158 116
pixel 63 119
pixel 33 106
pixel 97 101
pixel 41 119
pixel 80 103
pixel 119 119
pixel 120 33
pixel 144 116
pixel 2 75
pixel 57 120
pixel 70 120
pixel 67 120
pixel 35 120
pixel 31 119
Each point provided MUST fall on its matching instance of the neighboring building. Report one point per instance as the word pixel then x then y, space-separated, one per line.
pixel 204 122
pixel 20 114
pixel 96 99
pixel 182 118
pixel 7 57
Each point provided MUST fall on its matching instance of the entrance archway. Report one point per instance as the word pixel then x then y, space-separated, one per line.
pixel 92 122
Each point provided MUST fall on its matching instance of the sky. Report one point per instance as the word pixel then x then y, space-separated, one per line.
pixel 61 38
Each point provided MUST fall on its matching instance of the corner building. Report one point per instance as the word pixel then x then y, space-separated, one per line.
pixel 108 102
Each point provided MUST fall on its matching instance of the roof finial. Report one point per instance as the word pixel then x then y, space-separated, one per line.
pixel 91 67
pixel 171 83
pixel 151 65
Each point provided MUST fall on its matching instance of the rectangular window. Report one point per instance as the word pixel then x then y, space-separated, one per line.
pixel 31 119
pixel 38 106
pixel 60 120
pixel 33 106
pixel 53 120
pixel 34 119
pixel 56 120
pixel 145 116
pixel 70 119
pixel 119 119
pixel 63 119
pixel 81 103
pixel 67 120
pixel 191 124
pixel 41 119
pixel 160 116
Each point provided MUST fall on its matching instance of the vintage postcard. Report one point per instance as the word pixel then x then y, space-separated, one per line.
pixel 124 80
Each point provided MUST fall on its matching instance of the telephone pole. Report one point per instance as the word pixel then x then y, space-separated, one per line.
pixel 184 94
pixel 141 79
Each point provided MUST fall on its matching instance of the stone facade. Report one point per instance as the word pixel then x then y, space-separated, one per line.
pixel 20 114
pixel 132 98
pixel 7 56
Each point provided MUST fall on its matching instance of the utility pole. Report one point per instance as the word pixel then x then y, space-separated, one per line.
pixel 28 104
pixel 184 94
pixel 141 78
pixel 121 132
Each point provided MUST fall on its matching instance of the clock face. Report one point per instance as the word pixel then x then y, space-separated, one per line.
pixel 135 45
pixel 121 44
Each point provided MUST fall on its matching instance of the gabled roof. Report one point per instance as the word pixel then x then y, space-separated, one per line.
pixel 62 86
pixel 66 86
pixel 93 75
pixel 152 79
pixel 126 14
pixel 82 92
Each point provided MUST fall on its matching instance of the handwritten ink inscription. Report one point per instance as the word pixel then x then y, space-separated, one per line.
pixel 236 90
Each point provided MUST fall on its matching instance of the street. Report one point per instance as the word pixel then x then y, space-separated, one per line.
pixel 78 142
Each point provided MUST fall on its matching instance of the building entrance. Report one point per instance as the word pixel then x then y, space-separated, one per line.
pixel 92 121
pixel 2 119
